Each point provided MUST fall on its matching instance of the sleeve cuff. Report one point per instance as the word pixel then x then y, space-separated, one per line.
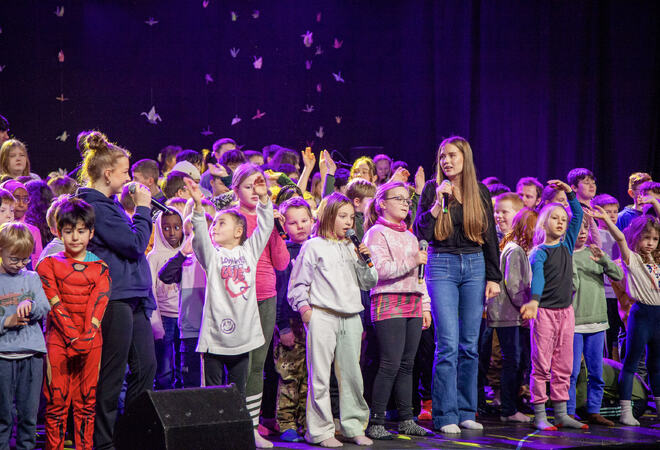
pixel 571 195
pixel 536 297
pixel 304 309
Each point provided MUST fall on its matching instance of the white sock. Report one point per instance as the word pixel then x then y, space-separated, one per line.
pixel 627 417
pixel 452 428
pixel 472 425
pixel 260 442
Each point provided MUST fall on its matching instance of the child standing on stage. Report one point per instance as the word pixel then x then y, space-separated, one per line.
pixel 325 289
pixel 22 346
pixel 641 266
pixel 400 305
pixel 274 257
pixel 77 285
pixel 590 263
pixel 230 320
pixel 550 308
pixel 290 335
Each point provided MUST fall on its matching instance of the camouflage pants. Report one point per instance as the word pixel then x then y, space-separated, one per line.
pixel 292 388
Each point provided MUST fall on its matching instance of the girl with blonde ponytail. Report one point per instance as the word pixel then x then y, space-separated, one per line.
pixel 456 217
pixel 121 242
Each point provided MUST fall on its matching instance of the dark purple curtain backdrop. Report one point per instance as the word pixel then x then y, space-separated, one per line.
pixel 536 87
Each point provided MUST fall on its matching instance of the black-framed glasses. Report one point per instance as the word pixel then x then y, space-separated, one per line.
pixel 15 260
pixel 402 200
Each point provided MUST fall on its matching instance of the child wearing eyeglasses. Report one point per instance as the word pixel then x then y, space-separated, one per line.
pixel 400 305
pixel 22 346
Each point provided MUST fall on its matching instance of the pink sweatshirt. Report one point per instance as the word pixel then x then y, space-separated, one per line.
pixel 393 254
pixel 274 257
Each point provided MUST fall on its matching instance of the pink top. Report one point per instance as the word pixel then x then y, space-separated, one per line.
pixel 393 254
pixel 274 257
pixel 38 246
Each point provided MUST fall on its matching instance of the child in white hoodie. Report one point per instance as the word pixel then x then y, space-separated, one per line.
pixel 325 288
pixel 168 239
pixel 229 259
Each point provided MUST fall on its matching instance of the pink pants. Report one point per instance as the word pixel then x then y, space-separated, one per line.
pixel 552 353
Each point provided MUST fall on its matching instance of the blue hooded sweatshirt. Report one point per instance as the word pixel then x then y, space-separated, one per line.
pixel 121 243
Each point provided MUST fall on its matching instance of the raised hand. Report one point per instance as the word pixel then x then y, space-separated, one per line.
pixel 195 192
pixel 420 180
pixel 309 159
pixel 401 175
pixel 596 253
pixel 559 185
pixel 261 188
pixel 217 170
pixel 329 165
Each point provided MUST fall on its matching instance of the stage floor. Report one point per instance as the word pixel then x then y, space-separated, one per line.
pixel 506 436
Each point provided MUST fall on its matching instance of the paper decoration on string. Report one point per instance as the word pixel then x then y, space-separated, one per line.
pixel 61 98
pixel 208 78
pixel 152 116
pixel 60 56
pixel 258 62
pixel 235 120
pixel 308 39
pixel 207 131
pixel 258 115
pixel 320 133
pixel 319 51
pixel 205 3
pixel 338 119
pixel 308 108
pixel 234 52
pixel 318 17
pixel 0 30
pixel 2 67
pixel 234 16
pixel 319 88
pixel 255 14
pixel 151 21
pixel 337 43
pixel 308 64
pixel 63 137
pixel 338 77
pixel 59 11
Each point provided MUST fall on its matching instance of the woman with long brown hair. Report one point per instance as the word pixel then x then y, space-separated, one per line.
pixel 456 218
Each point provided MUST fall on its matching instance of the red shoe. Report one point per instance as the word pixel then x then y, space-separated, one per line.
pixel 425 413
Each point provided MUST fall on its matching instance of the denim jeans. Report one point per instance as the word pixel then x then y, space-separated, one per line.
pixel 509 338
pixel 592 346
pixel 20 382
pixel 456 284
pixel 167 369
pixel 643 331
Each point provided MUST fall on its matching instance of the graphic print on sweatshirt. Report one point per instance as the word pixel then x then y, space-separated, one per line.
pixel 233 271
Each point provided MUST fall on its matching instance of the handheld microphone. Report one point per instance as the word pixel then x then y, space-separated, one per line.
pixel 351 235
pixel 445 199
pixel 280 230
pixel 423 245
pixel 154 203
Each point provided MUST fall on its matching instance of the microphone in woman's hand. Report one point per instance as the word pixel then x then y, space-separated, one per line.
pixel 154 203
pixel 445 198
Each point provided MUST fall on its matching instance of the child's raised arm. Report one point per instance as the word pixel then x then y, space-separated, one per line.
pixel 202 245
pixel 256 243
pixel 599 213
pixel 576 209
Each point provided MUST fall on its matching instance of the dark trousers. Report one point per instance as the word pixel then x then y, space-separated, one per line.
pixel 20 384
pixel 191 363
pixel 237 370
pixel 485 352
pixel 423 370
pixel 127 339
pixel 397 340
pixel 168 373
pixel 509 338
pixel 612 333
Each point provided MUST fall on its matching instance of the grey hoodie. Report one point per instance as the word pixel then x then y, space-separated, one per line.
pixel 515 288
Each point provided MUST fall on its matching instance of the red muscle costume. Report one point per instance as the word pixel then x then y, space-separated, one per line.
pixel 78 293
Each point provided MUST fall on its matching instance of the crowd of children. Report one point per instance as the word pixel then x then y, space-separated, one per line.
pixel 191 269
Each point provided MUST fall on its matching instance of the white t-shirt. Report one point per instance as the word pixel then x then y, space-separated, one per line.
pixel 642 280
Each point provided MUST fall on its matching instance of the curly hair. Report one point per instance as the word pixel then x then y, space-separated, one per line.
pixel 41 196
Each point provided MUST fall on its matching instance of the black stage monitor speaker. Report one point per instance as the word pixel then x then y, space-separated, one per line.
pixel 187 419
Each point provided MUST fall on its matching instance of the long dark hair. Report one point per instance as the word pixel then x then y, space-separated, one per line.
pixel 41 196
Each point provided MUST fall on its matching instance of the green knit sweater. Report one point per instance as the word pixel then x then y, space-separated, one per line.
pixel 589 297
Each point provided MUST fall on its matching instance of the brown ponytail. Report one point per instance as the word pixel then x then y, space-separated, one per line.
pixel 98 155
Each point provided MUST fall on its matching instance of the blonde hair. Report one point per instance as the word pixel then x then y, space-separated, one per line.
pixel 366 160
pixel 99 155
pixel 325 227
pixel 15 237
pixel 542 221
pixel 374 211
pixel 514 198
pixel 475 222
pixel 360 188
pixel 6 149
